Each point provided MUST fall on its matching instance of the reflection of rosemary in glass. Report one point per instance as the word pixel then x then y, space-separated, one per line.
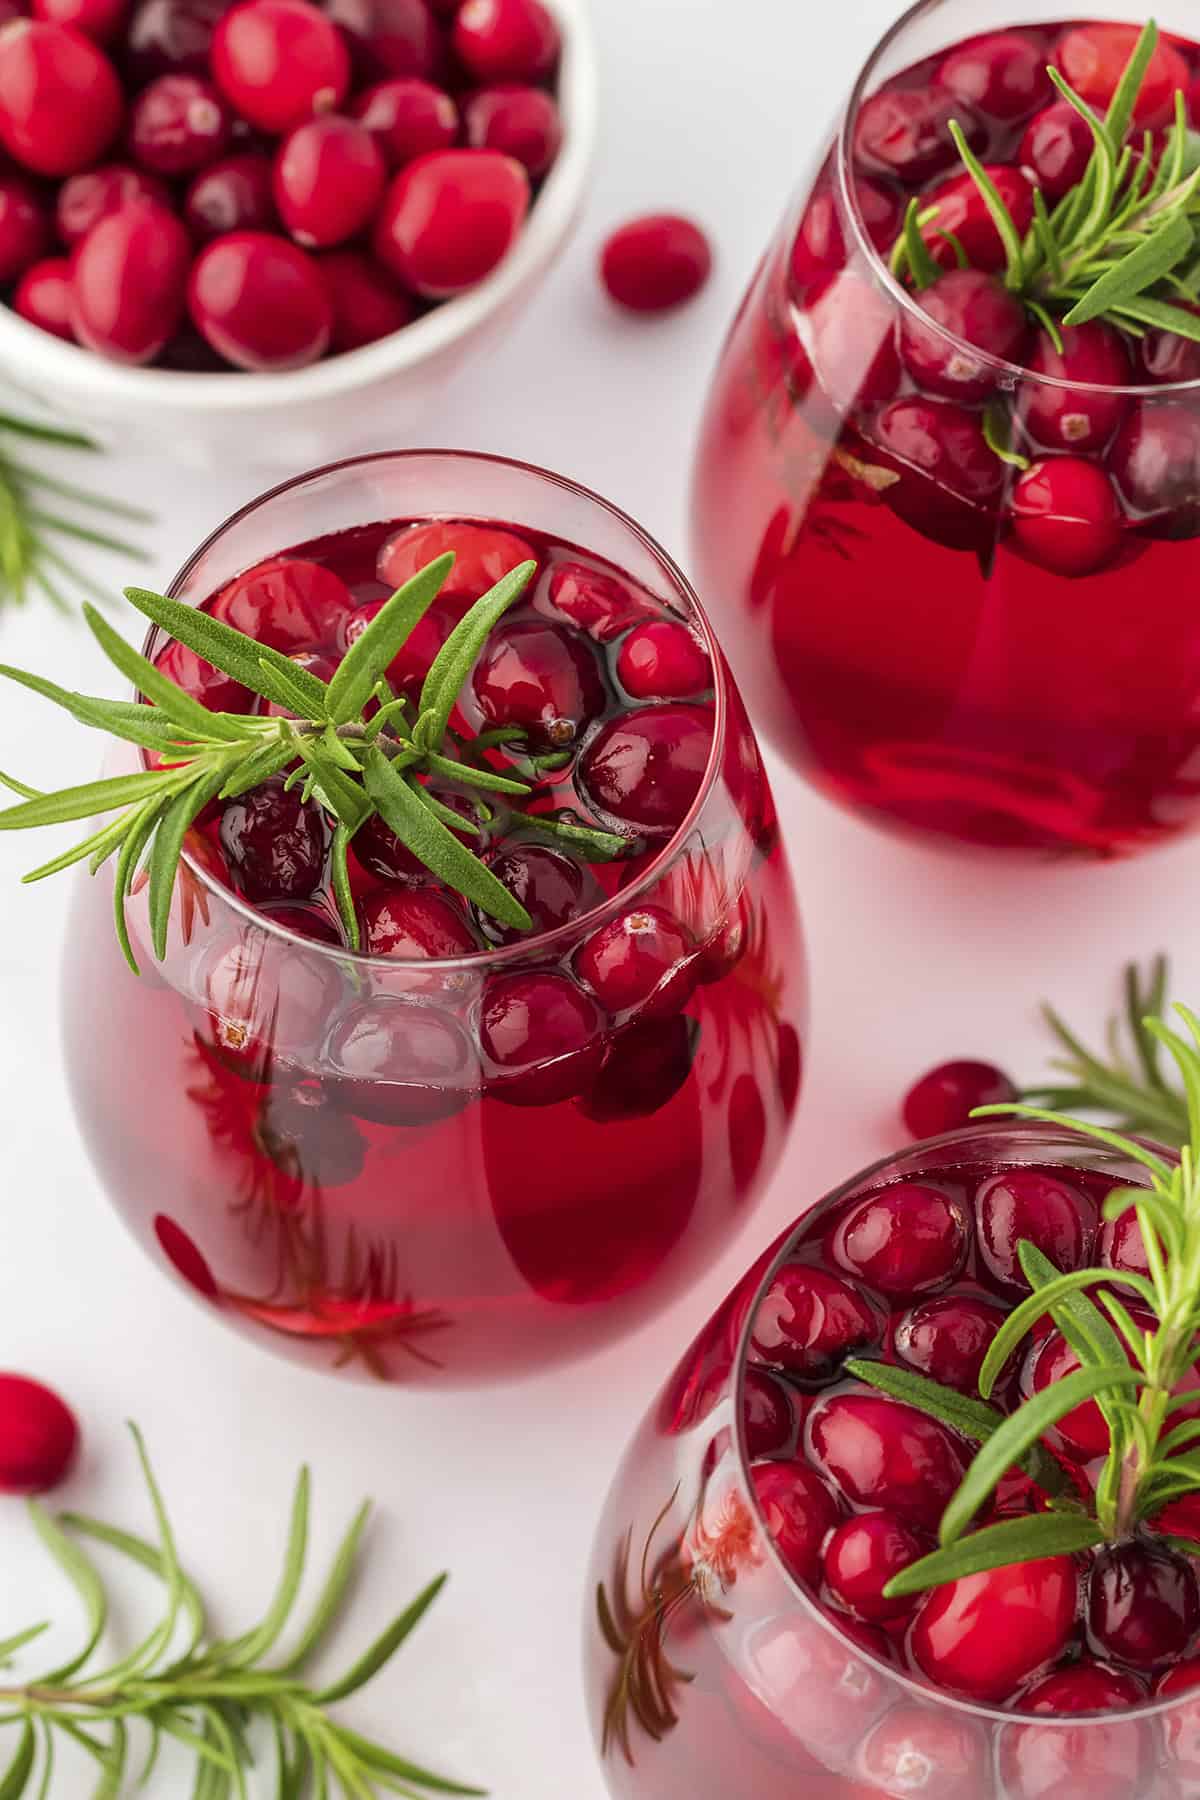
pixel 647 1683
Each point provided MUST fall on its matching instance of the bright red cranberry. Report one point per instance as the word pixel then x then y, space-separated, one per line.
pixel 809 1321
pixel 449 218
pixel 60 100
pixel 260 301
pixel 950 480
pixel 541 677
pixel 407 118
pixel 388 37
pixel 233 195
pixel 507 40
pixel 214 689
pixel 593 602
pixel 39 1437
pixel 1121 1245
pixel 551 887
pixel 905 132
pixel 275 843
pixel 398 1063
pixel 963 213
pixel 1155 463
pixel 642 958
pixel 646 768
pixel 1167 357
pixel 861 1558
pixel 1057 148
pixel 1002 73
pixel 1057 1218
pixel 947 1339
pixel 906 1239
pixel 542 1036
pixel 663 661
pixel 280 61
pixel 287 603
pixel 99 20
pixel 311 922
pixel 928 1751
pixel 881 1453
pixel 129 282
pixel 1066 516
pixel 1077 418
pixel 1094 57
pixel 968 305
pixel 1083 1432
pixel 179 124
pixel 415 925
pixel 366 304
pixel 820 246
pixel 798 1511
pixel 85 199
pixel 655 263
pixel 408 669
pixel 944 1099
pixel 986 1634
pixel 1087 1762
pixel 263 1008
pixel 521 122
pixel 24 227
pixel 769 1411
pixel 482 557
pixel 1143 1604
pixel 43 297
pixel 166 35
pixel 329 180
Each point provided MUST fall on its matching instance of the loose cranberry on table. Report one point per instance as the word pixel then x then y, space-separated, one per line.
pixel 656 263
pixel 39 1436
pixel 944 1099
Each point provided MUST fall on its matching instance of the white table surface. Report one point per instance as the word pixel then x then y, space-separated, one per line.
pixel 708 108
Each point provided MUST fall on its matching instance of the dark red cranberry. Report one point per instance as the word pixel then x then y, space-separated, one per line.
pixel 287 603
pixel 1056 149
pixel 507 40
pixel 129 282
pixel 820 246
pixel 798 1511
pixel 99 20
pixel 809 1321
pixel 906 1239
pixel 1077 418
pixel 179 124
pixel 407 118
pixel 963 305
pixel 233 195
pixel 60 100
pixel 1024 1203
pixel 383 854
pixel 1066 516
pixel 366 303
pixel 39 1436
pixel 1143 1604
pixel 279 61
pixel 880 1453
pixel 166 36
pixel 543 1037
pixel 449 218
pixel 1121 1245
pixel 944 1099
pixel 643 958
pixel 275 843
pixel 212 687
pixel 482 557
pixel 1099 1761
pixel 593 602
pixel 521 122
pixel 963 213
pixel 415 925
pixel 396 1062
pixel 931 1751
pixel 24 227
pixel 1155 463
pixel 552 888
pixel 986 1634
pixel 43 296
pixel 268 1005
pixel 905 132
pixel 541 677
pixel 311 922
pixel 656 263
pixel 949 479
pixel 651 1062
pixel 646 768
pixel 853 338
pixel 329 180
pixel 1003 73
pixel 947 1339
pixel 1082 1433
pixel 862 1557
pixel 663 661
pixel 85 199
pixel 1094 57
pixel 388 37
pixel 1167 357
pixel 768 1415
pixel 260 301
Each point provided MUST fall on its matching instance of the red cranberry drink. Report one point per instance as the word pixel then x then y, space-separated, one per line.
pixel 917 1514
pixel 462 1063
pixel 949 480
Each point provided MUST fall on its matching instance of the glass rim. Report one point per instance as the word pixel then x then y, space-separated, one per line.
pixel 1024 1131
pixel 1018 373
pixel 484 960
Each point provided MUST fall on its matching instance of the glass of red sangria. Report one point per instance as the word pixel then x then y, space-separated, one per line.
pixel 947 497
pixel 373 1117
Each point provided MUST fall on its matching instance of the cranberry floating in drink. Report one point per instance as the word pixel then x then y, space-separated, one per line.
pixel 461 1042
pixel 948 484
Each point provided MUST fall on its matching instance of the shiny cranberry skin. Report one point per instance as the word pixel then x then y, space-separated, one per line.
pixel 395 1062
pixel 1083 1432
pixel 963 212
pixel 984 1635
pixel 287 603
pixel 655 263
pixel 1057 148
pixel 947 1339
pixel 820 246
pixel 260 301
pixel 949 478
pixel 521 122
pixel 642 958
pixel 646 768
pixel 663 661
pixel 99 20
pixel 388 37
pixel 233 195
pixel 24 227
pixel 809 1321
pixel 39 1436
pixel 179 124
pixel 972 306
pixel 1155 463
pixel 1102 1761
pixel 410 666
pixel 880 1453
pixel 1002 73
pixel 415 925
pixel 906 1239
pixel 507 40
pixel 768 1415
pixel 798 1511
pixel 944 1099
pixel 85 199
pixel 853 343
pixel 383 855
pixel 651 1062
pixel 366 304
pixel 43 297
pixel 212 687
pixel 482 554
pixel 407 118
pixel 542 1036
pixel 928 1751
pixel 1167 357
pixel 905 132
pixel 449 218
pixel 861 1558
pixel 275 843
pixel 1094 57
pixel 329 180
pixel 60 100
pixel 1058 1219
pixel 1121 1245
pixel 1143 1605
pixel 1076 419
pixel 129 281
pixel 551 887
pixel 541 677
pixel 593 602
pixel 1066 516
pixel 279 61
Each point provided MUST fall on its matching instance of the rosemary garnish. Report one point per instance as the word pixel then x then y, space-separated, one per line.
pixel 206 1693
pixel 33 519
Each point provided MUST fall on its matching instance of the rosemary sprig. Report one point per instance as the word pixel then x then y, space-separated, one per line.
pixel 207 1693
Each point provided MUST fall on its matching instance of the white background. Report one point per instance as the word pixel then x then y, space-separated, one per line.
pixel 711 108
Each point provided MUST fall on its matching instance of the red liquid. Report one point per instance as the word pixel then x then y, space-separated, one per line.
pixel 471 1238
pixel 973 694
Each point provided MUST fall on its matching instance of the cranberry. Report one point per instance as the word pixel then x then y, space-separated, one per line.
pixel 167 35
pixel 1058 1219
pixel 650 1064
pixel 43 296
pixel 655 263
pixel 233 195
pixel 643 958
pixel 1167 357
pixel 906 1239
pixel 279 61
pixel 415 926
pixel 542 678
pixel 263 1008
pixel 128 282
pixel 928 1751
pixel 1076 418
pixel 260 301
pixel 85 199
pixel 388 37
pixel 521 122
pixel 591 601
pixel 542 1035
pixel 99 20
pixel 963 213
pixel 984 1635
pixel 382 853
pixel 1083 1432
pixel 1065 516
pixel 947 1339
pixel 905 132
pixel 663 660
pixel 768 1415
pixel 861 1558
pixel 449 218
pixel 550 886
pixel 1121 1245
pixel 366 304
pixel 323 667
pixel 809 1321
pixel 1094 57
pixel 212 687
pixel 329 180
pixel 881 1453
pixel 1155 463
pixel 60 100
pixel 288 604
pixel 646 768
pixel 507 40
pixel 963 305
pixel 179 124
pixel 1143 1604
pixel 1087 1762
pixel 949 478
pixel 24 227
pixel 416 657
pixel 310 922
pixel 1003 73
pixel 820 246
pixel 1057 148
pixel 396 1062
pixel 853 337
pixel 944 1099
pixel 407 118
pixel 275 843
pixel 798 1511
pixel 39 1438
pixel 482 557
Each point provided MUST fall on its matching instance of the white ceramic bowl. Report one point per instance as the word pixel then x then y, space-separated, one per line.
pixel 363 400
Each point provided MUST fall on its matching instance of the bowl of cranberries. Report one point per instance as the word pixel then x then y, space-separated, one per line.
pixel 948 484
pixel 746 1633
pixel 335 201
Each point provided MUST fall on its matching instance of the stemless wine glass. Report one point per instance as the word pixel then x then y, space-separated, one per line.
pixel 940 648
pixel 414 1214
pixel 712 1672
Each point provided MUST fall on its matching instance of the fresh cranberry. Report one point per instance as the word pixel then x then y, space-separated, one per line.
pixel 366 304
pixel 43 297
pixel 280 61
pixel 212 687
pixel 60 100
pixel 85 199
pixel 287 603
pixel 388 37
pixel 1167 357
pixel 542 678
pixel 646 768
pixel 385 856
pixel 550 886
pixel 947 1339
pixel 905 132
pixel 1056 149
pixel 1143 1604
pixel 651 1062
pixel 809 1321
pixel 415 925
pixel 129 281
pixel 881 1453
pixel 643 958
pixel 944 1099
pixel 521 122
pixel 798 1511
pixel 984 1635
pixel 1101 1761
pixel 265 1008
pixel 542 1035
pixel 949 479
pixel 1155 463
pixel 168 35
pixel 482 557
pixel 967 305
pixel 260 301
pixel 395 1062
pixel 593 602
pixel 407 118
pixel 1077 418
pixel 99 20
pixel 39 1437
pixel 906 1239
pixel 233 195
pixel 819 249
pixel 1002 73
pixel 655 263
pixel 24 227
pixel 329 180
pixel 507 40
pixel 1083 1432
pixel 1066 516
pixel 412 663
pixel 1094 57
pixel 963 213
pixel 1121 1245
pixel 179 124
pixel 1058 1219
pixel 929 1751
pixel 768 1415
pixel 311 922
pixel 275 843
pixel 449 218
pixel 663 661
pixel 853 339
pixel 862 1557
